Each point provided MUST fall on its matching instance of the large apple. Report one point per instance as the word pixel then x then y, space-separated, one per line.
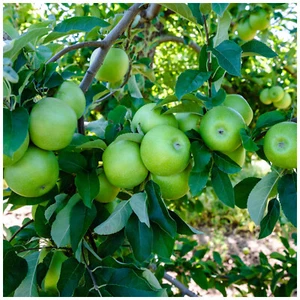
pixel 285 102
pixel 264 96
pixel 165 150
pixel 238 155
pixel 276 93
pixel 8 161
pixel 148 117
pixel 188 121
pixel 52 124
pixel 34 174
pixel 114 66
pixel 123 165
pixel 259 20
pixel 220 129
pixel 70 93
pixel 245 32
pixel 240 104
pixel 280 145
pixel 107 192
pixel 173 186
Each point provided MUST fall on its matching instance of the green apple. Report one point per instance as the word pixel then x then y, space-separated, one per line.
pixel 245 32
pixel 220 129
pixel 8 161
pixel 52 124
pixel 241 105
pixel 259 20
pixel 123 165
pixel 147 118
pixel 70 93
pixel 276 93
pixel 50 281
pixel 285 102
pixel 280 145
pixel 188 121
pixel 34 174
pixel 173 186
pixel 238 155
pixel 114 66
pixel 264 96
pixel 165 150
pixel 108 192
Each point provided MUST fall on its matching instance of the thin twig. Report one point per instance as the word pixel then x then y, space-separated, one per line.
pixel 20 229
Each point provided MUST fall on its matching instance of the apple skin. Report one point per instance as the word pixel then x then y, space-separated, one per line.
pixel 114 66
pixel 245 32
pixel 188 121
pixel 240 104
pixel 264 97
pixel 259 20
pixel 147 118
pixel 276 93
pixel 70 93
pixel 173 186
pixel 108 192
pixel 165 150
pixel 280 145
pixel 220 129
pixel 123 165
pixel 34 174
pixel 238 155
pixel 52 124
pixel 285 102
pixel 8 161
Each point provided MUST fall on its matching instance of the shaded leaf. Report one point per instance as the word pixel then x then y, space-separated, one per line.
pixel 219 8
pixel 72 162
pixel 255 47
pixel 247 141
pixel 224 22
pixel 181 9
pixel 138 204
pixel 163 243
pixel 96 144
pixel 225 164
pixel 133 137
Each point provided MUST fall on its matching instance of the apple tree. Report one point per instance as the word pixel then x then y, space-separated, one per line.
pixel 117 119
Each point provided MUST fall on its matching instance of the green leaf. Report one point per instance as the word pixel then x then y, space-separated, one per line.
pixel 60 230
pixel 133 137
pixel 228 54
pixel 15 124
pixel 186 106
pixel 287 189
pixel 98 127
pixel 15 269
pixel 225 164
pixel 255 47
pixel 268 223
pixel 157 209
pixel 200 278
pixel 219 8
pixel 140 238
pixel 41 225
pixel 222 186
pixel 163 243
pixel 88 186
pixel 203 58
pixel 138 203
pixel 247 141
pixel 80 221
pixel 75 25
pixel 222 30
pixel 96 144
pixel 28 287
pixel 133 88
pixel 181 9
pixel 116 221
pixel 258 197
pixel 243 189
pixel 112 243
pixel 72 162
pixel 189 81
pixel 71 273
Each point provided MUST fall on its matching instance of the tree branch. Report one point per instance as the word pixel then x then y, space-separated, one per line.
pixel 20 229
pixel 151 12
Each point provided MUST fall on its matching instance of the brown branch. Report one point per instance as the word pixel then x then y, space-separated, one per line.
pixel 151 12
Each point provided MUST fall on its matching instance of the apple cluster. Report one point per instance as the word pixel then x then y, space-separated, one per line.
pixel 277 96
pixel 33 170
pixel 258 19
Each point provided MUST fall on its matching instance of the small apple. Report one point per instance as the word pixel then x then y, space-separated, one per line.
pixel 285 102
pixel 108 192
pixel 70 93
pixel 280 145
pixel 173 186
pixel 220 129
pixel 276 93
pixel 114 66
pixel 259 20
pixel 123 165
pixel 246 250
pixel 148 117
pixel 188 121
pixel 34 174
pixel 240 104
pixel 238 155
pixel 245 32
pixel 52 124
pixel 165 150
pixel 264 96
pixel 8 161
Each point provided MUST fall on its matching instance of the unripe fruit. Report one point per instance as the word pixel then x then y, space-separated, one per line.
pixel 285 102
pixel 188 121
pixel 276 93
pixel 259 20
pixel 238 155
pixel 264 97
pixel 245 32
